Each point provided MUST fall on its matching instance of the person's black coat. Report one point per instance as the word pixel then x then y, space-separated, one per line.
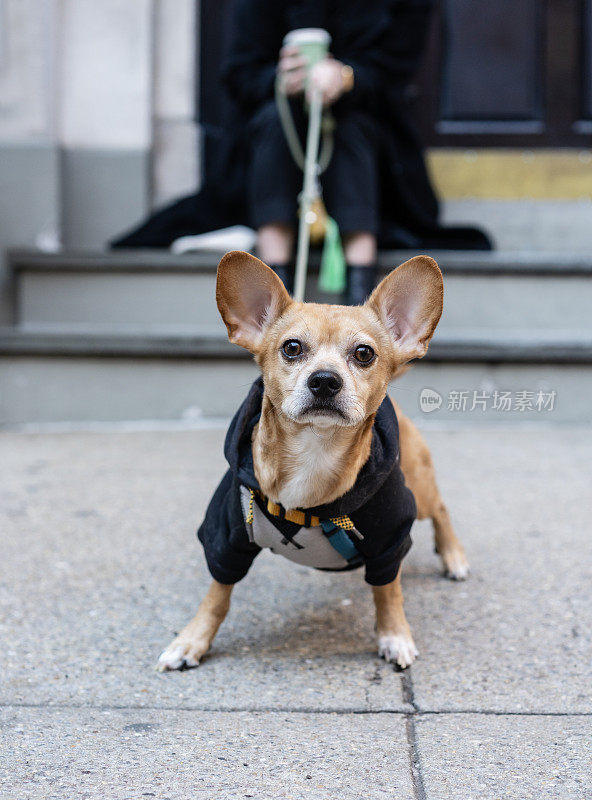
pixel 382 40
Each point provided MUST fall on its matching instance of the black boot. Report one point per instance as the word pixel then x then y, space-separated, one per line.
pixel 360 283
pixel 286 274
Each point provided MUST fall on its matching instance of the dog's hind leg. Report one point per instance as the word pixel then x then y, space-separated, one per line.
pixel 447 544
pixel 194 641
pixel 395 642
pixel 420 477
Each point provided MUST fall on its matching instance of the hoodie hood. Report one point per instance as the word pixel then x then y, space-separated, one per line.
pixel 384 453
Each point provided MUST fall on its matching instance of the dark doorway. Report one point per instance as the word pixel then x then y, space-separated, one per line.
pixel 508 73
pixel 515 73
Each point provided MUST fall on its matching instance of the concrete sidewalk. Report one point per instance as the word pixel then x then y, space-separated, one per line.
pixel 101 567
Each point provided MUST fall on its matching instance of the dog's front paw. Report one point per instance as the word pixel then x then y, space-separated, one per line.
pixel 456 566
pixel 181 654
pixel 398 648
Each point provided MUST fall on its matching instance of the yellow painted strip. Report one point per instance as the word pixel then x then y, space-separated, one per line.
pixel 511 174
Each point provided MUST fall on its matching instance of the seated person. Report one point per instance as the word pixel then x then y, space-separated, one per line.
pixel 349 81
pixel 376 186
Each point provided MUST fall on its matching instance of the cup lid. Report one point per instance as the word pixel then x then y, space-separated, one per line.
pixel 307 36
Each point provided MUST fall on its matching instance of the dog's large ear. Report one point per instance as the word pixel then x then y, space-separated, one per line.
pixel 250 297
pixel 409 304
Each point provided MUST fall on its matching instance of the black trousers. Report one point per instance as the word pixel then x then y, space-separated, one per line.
pixel 349 184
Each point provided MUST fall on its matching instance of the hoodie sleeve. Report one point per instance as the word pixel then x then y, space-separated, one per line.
pixel 384 567
pixel 223 534
pixel 385 522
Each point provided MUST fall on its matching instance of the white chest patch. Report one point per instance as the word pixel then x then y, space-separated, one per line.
pixel 315 463
pixel 309 547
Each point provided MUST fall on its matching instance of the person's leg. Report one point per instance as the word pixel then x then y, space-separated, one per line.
pixel 351 190
pixel 273 185
pixel 360 256
pixel 275 243
pixel 360 248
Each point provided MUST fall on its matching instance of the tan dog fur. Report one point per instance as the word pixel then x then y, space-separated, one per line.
pixel 304 458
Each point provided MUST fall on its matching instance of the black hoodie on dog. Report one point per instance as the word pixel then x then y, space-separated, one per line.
pixel 379 504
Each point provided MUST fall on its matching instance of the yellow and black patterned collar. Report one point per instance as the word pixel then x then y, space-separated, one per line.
pixel 302 518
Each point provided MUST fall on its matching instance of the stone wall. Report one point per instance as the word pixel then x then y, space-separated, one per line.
pixel 97 106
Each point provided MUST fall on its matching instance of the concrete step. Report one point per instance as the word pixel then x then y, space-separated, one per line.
pixel 202 342
pixel 492 291
pixel 78 373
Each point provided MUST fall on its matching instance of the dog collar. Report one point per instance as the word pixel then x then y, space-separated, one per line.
pixel 302 518
pixel 336 529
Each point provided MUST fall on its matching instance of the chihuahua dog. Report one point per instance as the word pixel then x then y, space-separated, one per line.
pixel 324 468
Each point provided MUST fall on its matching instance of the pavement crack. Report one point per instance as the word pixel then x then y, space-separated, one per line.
pixel 374 679
pixel 354 710
pixel 408 691
pixel 419 791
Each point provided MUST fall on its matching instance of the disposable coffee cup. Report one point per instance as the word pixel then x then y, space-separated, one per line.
pixel 313 44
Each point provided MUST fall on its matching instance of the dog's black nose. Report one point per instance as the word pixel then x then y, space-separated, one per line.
pixel 324 384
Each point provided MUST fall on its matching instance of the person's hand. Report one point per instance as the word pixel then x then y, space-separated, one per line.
pixel 292 69
pixel 327 77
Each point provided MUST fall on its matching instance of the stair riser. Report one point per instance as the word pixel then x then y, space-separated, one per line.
pixel 83 389
pixel 158 299
pixel 476 302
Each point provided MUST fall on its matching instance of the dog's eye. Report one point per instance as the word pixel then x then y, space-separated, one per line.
pixel 364 354
pixel 292 348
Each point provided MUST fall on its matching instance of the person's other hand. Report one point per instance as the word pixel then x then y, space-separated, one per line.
pixel 292 69
pixel 327 77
